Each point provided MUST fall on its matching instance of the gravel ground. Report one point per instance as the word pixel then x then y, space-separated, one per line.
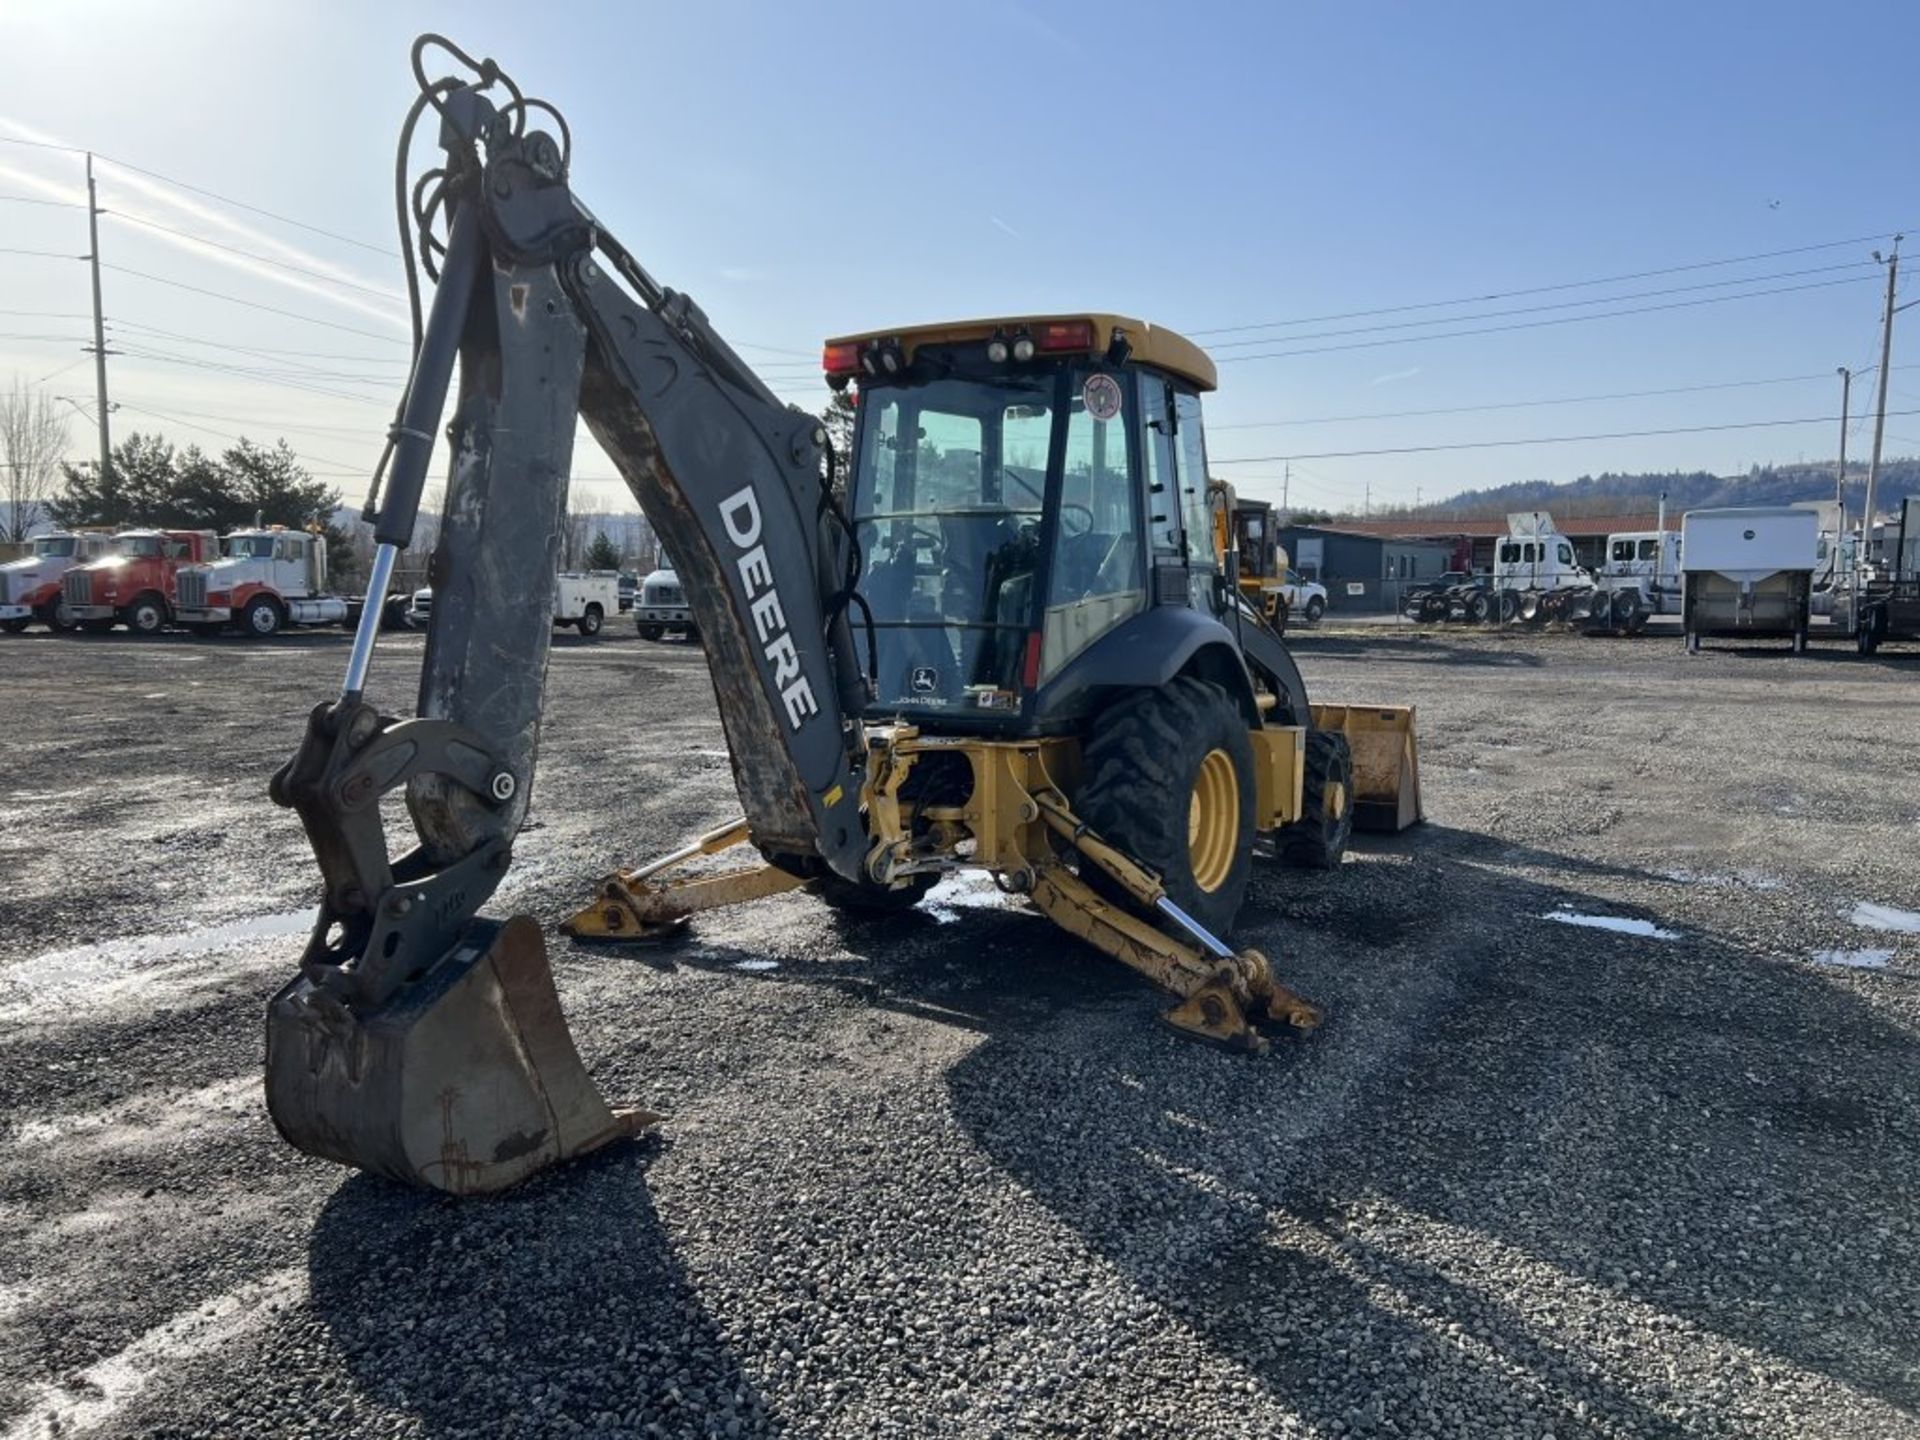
pixel 940 1174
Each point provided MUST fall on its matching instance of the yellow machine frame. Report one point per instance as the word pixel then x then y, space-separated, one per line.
pixel 1017 823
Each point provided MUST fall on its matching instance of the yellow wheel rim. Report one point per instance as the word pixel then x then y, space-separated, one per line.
pixel 1336 798
pixel 1213 821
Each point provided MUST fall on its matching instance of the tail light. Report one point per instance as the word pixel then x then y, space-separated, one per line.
pixel 1030 670
pixel 840 359
pixel 1066 335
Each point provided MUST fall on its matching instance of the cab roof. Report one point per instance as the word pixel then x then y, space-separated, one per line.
pixel 1152 345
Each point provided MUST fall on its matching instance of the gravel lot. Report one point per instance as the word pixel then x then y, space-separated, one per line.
pixel 941 1175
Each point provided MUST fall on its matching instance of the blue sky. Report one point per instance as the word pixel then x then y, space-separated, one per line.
pixel 806 169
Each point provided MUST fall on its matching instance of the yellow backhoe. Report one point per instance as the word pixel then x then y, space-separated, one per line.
pixel 997 636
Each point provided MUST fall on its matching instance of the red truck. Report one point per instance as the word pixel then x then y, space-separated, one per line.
pixel 135 584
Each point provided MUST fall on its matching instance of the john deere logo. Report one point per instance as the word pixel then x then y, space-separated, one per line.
pixel 926 680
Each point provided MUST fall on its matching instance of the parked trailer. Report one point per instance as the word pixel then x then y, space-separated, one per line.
pixel 136 582
pixel 1748 572
pixel 30 587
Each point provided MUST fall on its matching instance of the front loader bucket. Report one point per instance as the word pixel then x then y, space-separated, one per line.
pixel 466 1080
pixel 1386 763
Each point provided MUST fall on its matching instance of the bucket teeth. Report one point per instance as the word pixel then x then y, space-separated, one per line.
pixel 466 1080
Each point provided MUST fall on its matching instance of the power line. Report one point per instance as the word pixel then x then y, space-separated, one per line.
pixel 1823 376
pixel 207 429
pixel 254 304
pixel 42 254
pixel 1542 324
pixel 196 363
pixel 1539 309
pixel 269 350
pixel 1536 440
pixel 1544 289
pixel 251 255
pixel 37 200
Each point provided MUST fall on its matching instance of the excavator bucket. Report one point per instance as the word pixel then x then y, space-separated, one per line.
pixel 1386 764
pixel 466 1080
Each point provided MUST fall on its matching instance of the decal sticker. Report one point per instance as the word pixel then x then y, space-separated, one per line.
pixel 1101 396
pixel 925 680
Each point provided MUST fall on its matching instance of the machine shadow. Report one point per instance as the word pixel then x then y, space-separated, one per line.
pixel 1431 649
pixel 559 1304
pixel 1537 1084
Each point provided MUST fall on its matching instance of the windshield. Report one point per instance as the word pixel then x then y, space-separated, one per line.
pixel 247 547
pixel 145 547
pixel 949 483
pixel 54 547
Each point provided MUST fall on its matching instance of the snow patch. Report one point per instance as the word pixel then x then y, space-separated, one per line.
pixel 971 890
pixel 756 964
pixel 1884 917
pixel 1618 924
pixel 1854 959
pixel 91 1397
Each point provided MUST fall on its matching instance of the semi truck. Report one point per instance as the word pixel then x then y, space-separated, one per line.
pixel 266 579
pixel 1882 601
pixel 1537 578
pixel 30 587
pixel 135 583
pixel 1749 572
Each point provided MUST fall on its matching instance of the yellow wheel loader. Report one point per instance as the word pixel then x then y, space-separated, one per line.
pixel 997 636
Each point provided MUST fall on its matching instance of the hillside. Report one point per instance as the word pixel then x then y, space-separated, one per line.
pixel 1615 494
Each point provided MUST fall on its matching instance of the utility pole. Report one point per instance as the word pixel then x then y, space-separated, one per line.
pixel 1840 480
pixel 1286 488
pixel 1368 512
pixel 99 325
pixel 1892 263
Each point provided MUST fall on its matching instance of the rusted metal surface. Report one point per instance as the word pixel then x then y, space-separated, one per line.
pixel 466 1080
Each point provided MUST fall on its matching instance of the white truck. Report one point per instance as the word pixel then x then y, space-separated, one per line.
pixel 1538 578
pixel 1749 572
pixel 581 598
pixel 30 587
pixel 661 606
pixel 267 578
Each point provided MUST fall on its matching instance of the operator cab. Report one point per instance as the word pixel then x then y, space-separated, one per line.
pixel 1019 489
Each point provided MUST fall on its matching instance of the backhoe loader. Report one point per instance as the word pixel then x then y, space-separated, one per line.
pixel 998 637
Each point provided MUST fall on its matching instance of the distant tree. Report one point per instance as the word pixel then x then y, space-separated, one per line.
pixel 33 435
pixel 1309 517
pixel 603 554
pixel 140 479
pixel 838 416
pixel 151 483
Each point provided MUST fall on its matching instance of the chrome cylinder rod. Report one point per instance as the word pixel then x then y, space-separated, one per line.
pixel 371 612
pixel 1194 928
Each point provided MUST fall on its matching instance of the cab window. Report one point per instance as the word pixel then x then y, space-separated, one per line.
pixel 1098 564
pixel 1565 553
pixel 1193 479
pixel 1649 549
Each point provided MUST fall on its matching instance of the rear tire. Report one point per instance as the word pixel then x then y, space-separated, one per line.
pixel 1169 783
pixel 1316 607
pixel 860 897
pixel 652 632
pixel 589 623
pixel 1479 607
pixel 1318 839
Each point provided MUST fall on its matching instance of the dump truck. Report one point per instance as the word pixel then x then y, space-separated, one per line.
pixel 268 577
pixel 1748 572
pixel 994 637
pixel 135 583
pixel 30 588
